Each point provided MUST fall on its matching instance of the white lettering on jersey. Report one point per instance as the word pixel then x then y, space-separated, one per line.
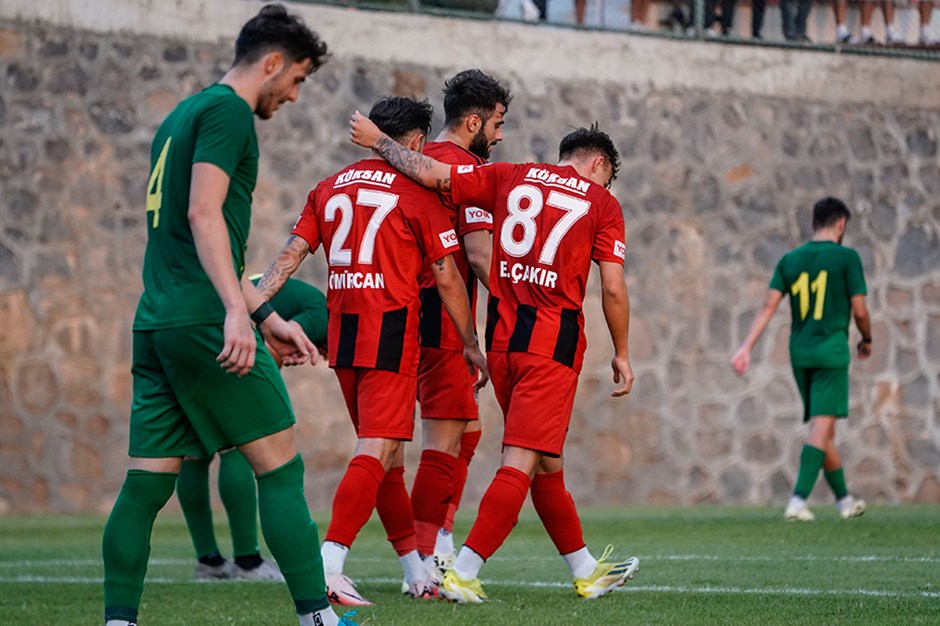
pixel 357 280
pixel 620 250
pixel 475 215
pixel 518 272
pixel 448 239
pixel 578 185
pixel 464 169
pixel 383 179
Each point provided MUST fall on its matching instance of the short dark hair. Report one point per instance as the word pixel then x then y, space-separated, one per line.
pixel 396 116
pixel 472 91
pixel 274 29
pixel 590 140
pixel 828 211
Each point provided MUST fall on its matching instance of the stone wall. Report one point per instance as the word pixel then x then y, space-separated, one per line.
pixel 724 150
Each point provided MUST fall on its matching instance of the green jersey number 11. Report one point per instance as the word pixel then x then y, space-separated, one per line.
pixel 802 287
pixel 155 184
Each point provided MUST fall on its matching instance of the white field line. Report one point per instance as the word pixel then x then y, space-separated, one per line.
pixel 546 557
pixel 707 589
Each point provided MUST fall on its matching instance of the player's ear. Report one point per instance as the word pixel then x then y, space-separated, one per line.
pixel 273 62
pixel 474 122
pixel 416 142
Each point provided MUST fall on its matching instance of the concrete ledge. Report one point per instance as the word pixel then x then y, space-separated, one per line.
pixel 529 56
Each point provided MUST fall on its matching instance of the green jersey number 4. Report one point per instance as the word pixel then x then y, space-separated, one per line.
pixel 802 287
pixel 155 184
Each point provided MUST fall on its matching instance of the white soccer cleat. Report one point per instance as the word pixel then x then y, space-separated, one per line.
pixel 606 576
pixel 850 507
pixel 204 572
pixel 797 511
pixel 341 590
pixel 423 590
pixel 266 571
pixel 119 622
pixel 461 590
pixel 435 574
pixel 440 563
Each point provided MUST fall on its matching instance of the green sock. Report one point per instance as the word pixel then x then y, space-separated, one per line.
pixel 291 534
pixel 192 490
pixel 125 545
pixel 238 491
pixel 836 480
pixel 811 461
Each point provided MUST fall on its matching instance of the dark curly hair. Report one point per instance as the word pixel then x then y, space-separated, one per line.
pixel 472 91
pixel 590 140
pixel 274 29
pixel 397 116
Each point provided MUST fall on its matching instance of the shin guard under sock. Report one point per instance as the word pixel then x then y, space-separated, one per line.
pixel 125 545
pixel 431 495
pixel 237 489
pixel 292 535
pixel 811 461
pixel 499 511
pixel 192 491
pixel 556 510
pixel 355 498
pixel 394 508
pixel 468 445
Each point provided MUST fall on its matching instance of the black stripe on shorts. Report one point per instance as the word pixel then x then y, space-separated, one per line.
pixel 348 332
pixel 392 340
pixel 566 346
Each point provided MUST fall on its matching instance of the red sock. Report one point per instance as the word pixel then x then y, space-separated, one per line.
pixel 355 499
pixel 499 511
pixel 556 509
pixel 468 445
pixel 431 495
pixel 394 509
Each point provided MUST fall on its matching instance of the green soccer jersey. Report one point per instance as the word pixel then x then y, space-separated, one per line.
pixel 214 126
pixel 302 303
pixel 820 277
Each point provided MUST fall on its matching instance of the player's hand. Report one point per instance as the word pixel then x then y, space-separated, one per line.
pixel 238 350
pixel 288 340
pixel 864 350
pixel 476 363
pixel 623 376
pixel 363 131
pixel 741 360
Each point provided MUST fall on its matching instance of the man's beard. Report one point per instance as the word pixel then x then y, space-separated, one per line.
pixel 480 145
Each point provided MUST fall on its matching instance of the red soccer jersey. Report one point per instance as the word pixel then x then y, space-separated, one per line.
pixel 437 329
pixel 379 229
pixel 548 225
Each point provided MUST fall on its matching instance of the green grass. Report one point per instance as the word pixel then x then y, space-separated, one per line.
pixel 705 565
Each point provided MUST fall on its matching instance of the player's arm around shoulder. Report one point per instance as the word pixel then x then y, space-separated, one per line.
pixel 616 305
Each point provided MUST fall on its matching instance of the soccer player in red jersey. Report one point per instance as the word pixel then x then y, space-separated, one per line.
pixel 549 223
pixel 474 107
pixel 380 229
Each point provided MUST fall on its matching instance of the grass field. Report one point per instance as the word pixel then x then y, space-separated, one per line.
pixel 704 565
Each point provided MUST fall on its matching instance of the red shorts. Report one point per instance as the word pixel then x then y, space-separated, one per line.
pixel 445 386
pixel 380 403
pixel 536 395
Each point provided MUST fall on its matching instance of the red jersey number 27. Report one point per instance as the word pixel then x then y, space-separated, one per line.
pixel 523 217
pixel 381 201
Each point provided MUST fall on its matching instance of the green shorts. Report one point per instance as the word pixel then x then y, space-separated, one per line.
pixel 185 404
pixel 825 391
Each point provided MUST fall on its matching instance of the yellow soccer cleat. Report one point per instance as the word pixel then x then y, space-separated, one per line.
pixel 606 576
pixel 461 590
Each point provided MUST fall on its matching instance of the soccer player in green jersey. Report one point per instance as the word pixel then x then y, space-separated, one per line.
pixel 200 381
pixel 826 285
pixel 298 303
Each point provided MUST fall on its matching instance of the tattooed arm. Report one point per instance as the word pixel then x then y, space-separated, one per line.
pixel 422 169
pixel 288 260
